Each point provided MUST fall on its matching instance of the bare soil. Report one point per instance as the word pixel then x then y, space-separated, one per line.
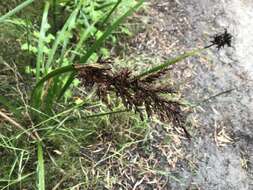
pixel 220 155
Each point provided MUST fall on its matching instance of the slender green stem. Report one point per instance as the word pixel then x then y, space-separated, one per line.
pixel 109 30
pixel 43 30
pixel 169 62
pixel 106 113
pixel 66 85
pixel 41 169
pixel 111 11
pixel 65 69
pixel 15 10
pixel 60 37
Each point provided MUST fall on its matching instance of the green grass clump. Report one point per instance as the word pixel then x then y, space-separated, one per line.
pixel 57 128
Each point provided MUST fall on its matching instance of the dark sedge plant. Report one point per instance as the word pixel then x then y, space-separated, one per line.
pixel 135 91
pixel 221 40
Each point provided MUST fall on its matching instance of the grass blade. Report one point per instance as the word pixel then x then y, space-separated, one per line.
pixel 65 69
pixel 104 6
pixel 100 115
pixel 15 10
pixel 40 169
pixel 12 182
pixel 84 36
pixel 62 35
pixel 109 31
pixel 66 85
pixel 111 11
pixel 43 30
pixel 170 62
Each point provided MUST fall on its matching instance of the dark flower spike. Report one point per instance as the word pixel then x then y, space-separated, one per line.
pixel 221 40
pixel 134 93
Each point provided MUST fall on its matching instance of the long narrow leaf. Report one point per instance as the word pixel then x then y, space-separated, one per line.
pixel 84 35
pixel 109 31
pixel 66 85
pixel 62 70
pixel 43 30
pixel 56 72
pixel 15 10
pixel 104 6
pixel 40 169
pixel 12 182
pixel 111 12
pixel 62 35
pixel 170 62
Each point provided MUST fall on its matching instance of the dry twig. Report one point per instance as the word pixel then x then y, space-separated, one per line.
pixel 10 120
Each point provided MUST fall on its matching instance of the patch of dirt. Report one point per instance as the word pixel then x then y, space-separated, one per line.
pixel 220 155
